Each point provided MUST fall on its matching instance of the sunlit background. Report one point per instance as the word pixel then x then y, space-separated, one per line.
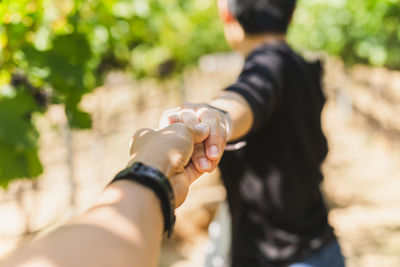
pixel 77 78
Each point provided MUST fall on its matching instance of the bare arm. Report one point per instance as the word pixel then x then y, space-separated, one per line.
pixel 249 102
pixel 117 231
pixel 124 227
pixel 239 111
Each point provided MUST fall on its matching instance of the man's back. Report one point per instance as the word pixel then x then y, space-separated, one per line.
pixel 278 215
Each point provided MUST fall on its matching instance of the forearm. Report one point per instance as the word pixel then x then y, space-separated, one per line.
pixel 239 111
pixel 124 228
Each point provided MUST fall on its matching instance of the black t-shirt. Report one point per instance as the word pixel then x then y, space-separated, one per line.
pixel 273 183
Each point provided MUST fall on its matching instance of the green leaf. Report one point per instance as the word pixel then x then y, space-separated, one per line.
pixel 16 163
pixel 78 119
pixel 16 127
pixel 73 48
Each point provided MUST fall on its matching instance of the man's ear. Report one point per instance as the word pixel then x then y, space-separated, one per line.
pixel 226 16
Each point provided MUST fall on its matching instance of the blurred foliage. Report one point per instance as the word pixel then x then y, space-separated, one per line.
pixel 55 51
pixel 359 31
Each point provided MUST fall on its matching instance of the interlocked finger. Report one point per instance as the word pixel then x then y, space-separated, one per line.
pixel 199 158
pixel 189 118
pixel 214 142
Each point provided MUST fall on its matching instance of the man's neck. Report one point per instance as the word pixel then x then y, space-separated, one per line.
pixel 251 42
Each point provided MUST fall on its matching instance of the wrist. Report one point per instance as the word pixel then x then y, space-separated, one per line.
pixel 160 164
pixel 153 179
pixel 226 119
pixel 229 125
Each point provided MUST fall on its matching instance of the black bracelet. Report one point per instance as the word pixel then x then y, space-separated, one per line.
pixel 159 183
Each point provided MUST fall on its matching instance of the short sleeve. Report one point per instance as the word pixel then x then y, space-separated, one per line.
pixel 261 83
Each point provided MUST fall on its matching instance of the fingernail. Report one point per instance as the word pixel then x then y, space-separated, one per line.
pixel 214 152
pixel 204 164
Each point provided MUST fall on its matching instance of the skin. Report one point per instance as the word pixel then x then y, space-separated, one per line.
pixel 236 36
pixel 121 231
pixel 124 227
pixel 239 118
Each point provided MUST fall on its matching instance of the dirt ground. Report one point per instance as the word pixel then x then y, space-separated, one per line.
pixel 362 169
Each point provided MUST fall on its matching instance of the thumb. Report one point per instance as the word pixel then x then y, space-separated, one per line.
pixel 200 132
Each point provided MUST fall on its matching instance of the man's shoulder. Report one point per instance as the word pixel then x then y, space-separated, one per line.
pixel 287 56
pixel 269 58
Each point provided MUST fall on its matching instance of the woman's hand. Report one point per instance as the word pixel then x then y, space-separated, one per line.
pixel 170 150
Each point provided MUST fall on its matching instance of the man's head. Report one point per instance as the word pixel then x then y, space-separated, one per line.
pixel 262 16
pixel 255 17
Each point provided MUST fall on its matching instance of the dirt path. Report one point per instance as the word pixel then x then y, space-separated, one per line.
pixel 362 170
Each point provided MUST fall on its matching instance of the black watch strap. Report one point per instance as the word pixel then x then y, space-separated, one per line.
pixel 159 183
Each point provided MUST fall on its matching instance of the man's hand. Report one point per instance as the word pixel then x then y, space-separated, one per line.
pixel 169 150
pixel 206 155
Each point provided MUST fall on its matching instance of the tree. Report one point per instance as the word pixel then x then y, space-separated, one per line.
pixel 358 31
pixel 54 52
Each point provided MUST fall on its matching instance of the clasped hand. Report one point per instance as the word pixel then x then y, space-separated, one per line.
pixel 190 141
pixel 207 154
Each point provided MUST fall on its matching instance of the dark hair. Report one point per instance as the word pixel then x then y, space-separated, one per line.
pixel 262 16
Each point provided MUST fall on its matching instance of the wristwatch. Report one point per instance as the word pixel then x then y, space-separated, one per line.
pixel 159 183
